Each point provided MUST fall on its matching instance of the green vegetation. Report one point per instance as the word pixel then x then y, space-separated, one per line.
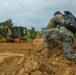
pixel 32 34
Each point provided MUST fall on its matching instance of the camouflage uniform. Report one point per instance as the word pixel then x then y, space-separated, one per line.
pixel 57 32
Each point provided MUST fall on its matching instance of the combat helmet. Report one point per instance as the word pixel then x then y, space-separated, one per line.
pixel 57 12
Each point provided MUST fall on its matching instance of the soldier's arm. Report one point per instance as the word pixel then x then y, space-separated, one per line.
pixel 51 23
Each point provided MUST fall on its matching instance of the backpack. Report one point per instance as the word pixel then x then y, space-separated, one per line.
pixel 70 21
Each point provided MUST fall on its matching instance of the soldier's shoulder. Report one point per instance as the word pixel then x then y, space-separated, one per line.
pixel 54 17
pixel 60 16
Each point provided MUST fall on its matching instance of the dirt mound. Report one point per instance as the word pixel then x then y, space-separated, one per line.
pixel 11 63
pixel 33 59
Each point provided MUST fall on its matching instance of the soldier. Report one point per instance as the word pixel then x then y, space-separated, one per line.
pixel 56 31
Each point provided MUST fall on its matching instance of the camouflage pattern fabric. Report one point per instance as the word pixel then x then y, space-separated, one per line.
pixel 62 34
pixel 54 20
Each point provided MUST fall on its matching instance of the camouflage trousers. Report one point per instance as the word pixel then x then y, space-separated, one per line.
pixel 66 39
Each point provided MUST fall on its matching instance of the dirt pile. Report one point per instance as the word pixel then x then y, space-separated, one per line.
pixel 11 64
pixel 33 59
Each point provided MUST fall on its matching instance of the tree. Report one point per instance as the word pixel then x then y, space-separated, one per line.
pixel 9 22
pixel 32 33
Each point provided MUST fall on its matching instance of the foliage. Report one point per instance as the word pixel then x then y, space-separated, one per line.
pixel 32 34
pixel 7 23
pixel 29 40
pixel 44 28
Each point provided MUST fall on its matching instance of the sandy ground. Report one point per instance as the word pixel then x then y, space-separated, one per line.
pixel 33 59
